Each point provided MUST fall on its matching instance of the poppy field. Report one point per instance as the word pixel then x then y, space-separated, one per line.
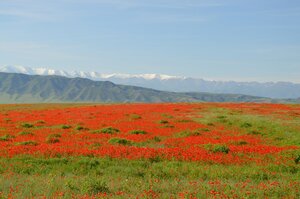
pixel 180 150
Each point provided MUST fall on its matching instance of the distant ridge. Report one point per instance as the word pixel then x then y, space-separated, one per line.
pixel 21 88
pixel 175 83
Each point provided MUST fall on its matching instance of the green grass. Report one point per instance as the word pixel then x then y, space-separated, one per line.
pixel 138 132
pixel 54 138
pixel 27 125
pixel 120 141
pixel 217 148
pixel 278 131
pixel 25 133
pixel 6 137
pixel 135 116
pixel 66 126
pixel 28 143
pixel 107 130
pixel 187 133
pixel 84 175
pixel 163 121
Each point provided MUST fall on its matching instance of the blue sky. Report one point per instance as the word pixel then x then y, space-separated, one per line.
pixel 213 39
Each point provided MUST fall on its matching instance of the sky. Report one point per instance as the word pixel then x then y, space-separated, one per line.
pixel 244 40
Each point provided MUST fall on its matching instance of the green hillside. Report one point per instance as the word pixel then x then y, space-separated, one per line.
pixel 20 88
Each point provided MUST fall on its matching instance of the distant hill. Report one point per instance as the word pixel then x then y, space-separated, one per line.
pixel 278 90
pixel 21 88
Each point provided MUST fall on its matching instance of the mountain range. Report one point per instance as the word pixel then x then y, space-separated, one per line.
pixel 21 88
pixel 279 90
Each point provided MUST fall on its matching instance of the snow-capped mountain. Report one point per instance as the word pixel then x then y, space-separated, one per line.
pixel 174 83
pixel 82 74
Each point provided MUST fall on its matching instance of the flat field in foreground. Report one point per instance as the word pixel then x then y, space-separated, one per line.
pixel 184 150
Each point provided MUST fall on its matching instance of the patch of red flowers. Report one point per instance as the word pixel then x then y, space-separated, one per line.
pixel 169 132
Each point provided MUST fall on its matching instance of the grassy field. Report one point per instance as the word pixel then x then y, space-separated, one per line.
pixel 185 150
